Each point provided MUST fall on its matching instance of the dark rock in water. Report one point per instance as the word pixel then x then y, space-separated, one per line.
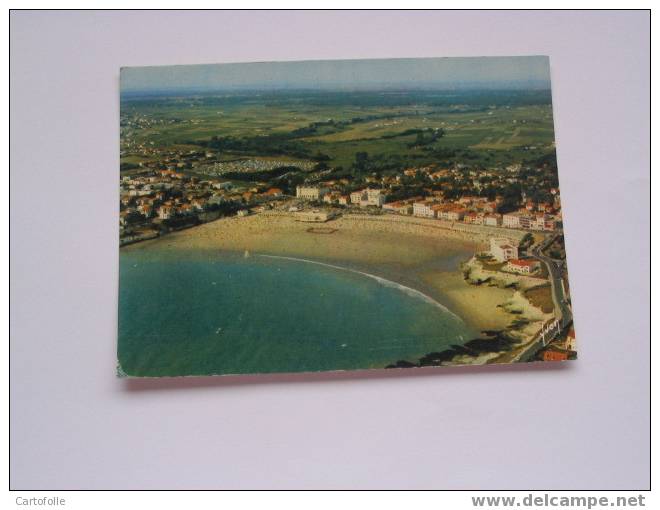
pixel 402 364
pixel 492 341
pixel 436 358
pixel 497 343
pixel 461 349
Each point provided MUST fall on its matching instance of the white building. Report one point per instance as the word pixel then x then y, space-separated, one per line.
pixel 356 197
pixel 375 197
pixel 367 197
pixel 454 214
pixel 314 216
pixel 541 222
pixel 165 212
pixel 511 221
pixel 331 198
pixel 423 210
pixel 503 249
pixel 310 192
pixel 222 185
pixel 569 344
pixel 493 220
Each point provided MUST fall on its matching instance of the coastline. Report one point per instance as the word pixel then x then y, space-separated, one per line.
pixel 407 253
pixel 427 260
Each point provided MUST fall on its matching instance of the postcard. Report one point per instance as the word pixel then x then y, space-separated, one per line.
pixel 315 216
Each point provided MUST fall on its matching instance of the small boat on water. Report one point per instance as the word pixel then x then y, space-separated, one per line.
pixel 246 254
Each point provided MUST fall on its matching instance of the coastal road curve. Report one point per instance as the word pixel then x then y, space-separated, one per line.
pixel 562 311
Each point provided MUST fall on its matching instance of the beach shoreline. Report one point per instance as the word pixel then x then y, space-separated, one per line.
pixel 430 261
pixel 408 253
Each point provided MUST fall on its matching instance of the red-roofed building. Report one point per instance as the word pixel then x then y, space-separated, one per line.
pixel 273 192
pixel 165 212
pixel 554 354
pixel 523 266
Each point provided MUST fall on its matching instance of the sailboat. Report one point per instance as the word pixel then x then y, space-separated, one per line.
pixel 246 254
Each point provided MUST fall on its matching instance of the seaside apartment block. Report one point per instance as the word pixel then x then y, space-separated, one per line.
pixel 367 197
pixel 503 249
pixel 400 207
pixel 310 192
pixel 424 209
pixel 431 209
pixel 528 221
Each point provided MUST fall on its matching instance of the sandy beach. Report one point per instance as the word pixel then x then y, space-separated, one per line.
pixel 426 259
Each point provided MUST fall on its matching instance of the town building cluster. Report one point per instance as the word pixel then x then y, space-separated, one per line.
pixel 503 249
pixel 470 209
pixel 246 166
pixel 154 201
pixel 364 197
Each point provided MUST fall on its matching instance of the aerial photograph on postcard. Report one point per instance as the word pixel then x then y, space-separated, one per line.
pixel 339 215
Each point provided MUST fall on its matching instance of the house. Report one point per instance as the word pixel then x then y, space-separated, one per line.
pixel 438 209
pixel 569 343
pixel 537 222
pixel 356 197
pixel 217 199
pixel 334 197
pixel 523 266
pixel 145 209
pixel 186 209
pixel 222 185
pixel 165 212
pixel 503 249
pixel 198 203
pixel 273 193
pixel 552 353
pixel 123 218
pixel 490 207
pixel 473 218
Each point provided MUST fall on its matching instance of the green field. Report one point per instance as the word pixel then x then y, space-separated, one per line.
pixel 484 129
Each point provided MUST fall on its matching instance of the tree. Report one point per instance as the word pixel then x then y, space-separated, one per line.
pixel 361 159
pixel 361 163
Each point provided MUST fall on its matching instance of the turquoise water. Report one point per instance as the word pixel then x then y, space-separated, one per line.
pixel 202 313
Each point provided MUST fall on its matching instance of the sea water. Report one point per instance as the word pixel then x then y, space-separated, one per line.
pixel 200 313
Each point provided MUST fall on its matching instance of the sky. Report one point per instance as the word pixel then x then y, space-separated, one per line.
pixel 427 73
